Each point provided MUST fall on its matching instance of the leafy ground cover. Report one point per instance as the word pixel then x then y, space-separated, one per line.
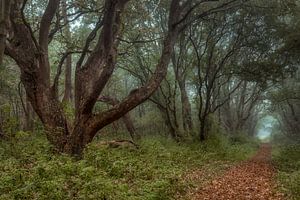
pixel 287 162
pixel 159 169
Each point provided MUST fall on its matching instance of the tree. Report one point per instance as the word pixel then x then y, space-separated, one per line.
pixel 213 50
pixel 181 66
pixel 68 63
pixel 32 56
pixel 239 113
pixel 4 25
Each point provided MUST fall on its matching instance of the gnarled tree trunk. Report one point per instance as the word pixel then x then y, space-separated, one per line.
pixel 93 71
pixel 31 55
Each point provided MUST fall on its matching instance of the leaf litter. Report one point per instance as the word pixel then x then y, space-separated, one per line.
pixel 249 180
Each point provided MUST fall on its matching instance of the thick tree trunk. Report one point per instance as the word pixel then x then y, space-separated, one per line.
pixel 47 107
pixel 31 55
pixel 81 135
pixel 4 25
pixel 35 76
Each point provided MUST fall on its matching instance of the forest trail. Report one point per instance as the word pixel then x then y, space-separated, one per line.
pixel 251 180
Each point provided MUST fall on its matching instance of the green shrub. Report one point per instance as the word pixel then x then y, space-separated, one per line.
pixel 30 170
pixel 9 122
pixel 290 183
pixel 287 161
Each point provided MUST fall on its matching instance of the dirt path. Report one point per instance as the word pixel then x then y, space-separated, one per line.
pixel 251 180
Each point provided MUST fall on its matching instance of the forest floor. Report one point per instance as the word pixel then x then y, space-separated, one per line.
pixel 249 180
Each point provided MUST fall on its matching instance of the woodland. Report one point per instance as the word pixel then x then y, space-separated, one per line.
pixel 150 99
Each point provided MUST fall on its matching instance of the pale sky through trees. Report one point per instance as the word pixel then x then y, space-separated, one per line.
pixel 265 129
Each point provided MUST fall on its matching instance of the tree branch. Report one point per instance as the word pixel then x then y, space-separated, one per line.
pixel 141 94
pixel 46 22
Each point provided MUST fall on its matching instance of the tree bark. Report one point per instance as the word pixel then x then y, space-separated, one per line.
pixel 31 55
pixel 180 70
pixel 32 58
pixel 4 25
pixel 68 65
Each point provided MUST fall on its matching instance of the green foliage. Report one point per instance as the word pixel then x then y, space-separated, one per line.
pixel 69 110
pixel 280 140
pixel 33 171
pixel 287 160
pixel 242 138
pixel 9 122
pixel 262 72
pixel 232 147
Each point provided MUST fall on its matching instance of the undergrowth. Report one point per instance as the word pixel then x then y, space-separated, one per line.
pixel 287 160
pixel 30 170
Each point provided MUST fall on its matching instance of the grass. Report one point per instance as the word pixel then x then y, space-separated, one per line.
pixel 30 170
pixel 287 161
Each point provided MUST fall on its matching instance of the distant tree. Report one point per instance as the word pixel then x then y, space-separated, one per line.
pixel 68 96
